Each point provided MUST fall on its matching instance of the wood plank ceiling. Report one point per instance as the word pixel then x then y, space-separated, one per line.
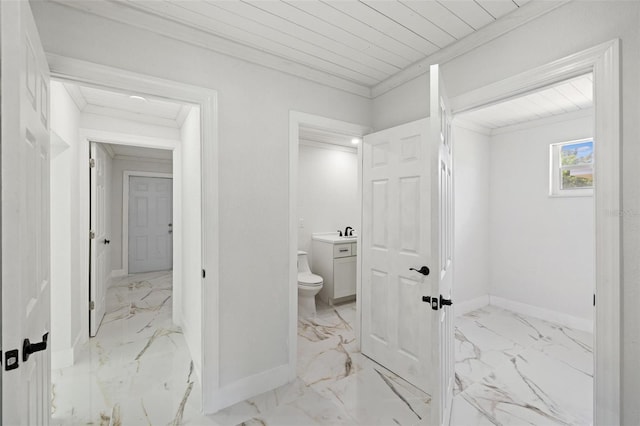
pixel 362 42
pixel 571 95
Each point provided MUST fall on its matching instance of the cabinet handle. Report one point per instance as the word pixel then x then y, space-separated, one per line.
pixel 343 250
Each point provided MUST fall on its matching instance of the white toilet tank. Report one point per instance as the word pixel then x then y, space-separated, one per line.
pixel 303 262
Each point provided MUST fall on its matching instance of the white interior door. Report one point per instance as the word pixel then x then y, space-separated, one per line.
pixel 407 252
pixel 150 224
pixel 442 337
pixel 396 236
pixel 100 270
pixel 25 160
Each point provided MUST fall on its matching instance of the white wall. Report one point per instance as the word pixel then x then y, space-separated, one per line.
pixel 65 250
pixel 471 188
pixel 191 293
pixel 327 191
pixel 571 28
pixel 120 165
pixel 254 104
pixel 542 247
pixel 124 126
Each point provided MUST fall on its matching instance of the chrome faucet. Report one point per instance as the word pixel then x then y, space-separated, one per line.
pixel 348 231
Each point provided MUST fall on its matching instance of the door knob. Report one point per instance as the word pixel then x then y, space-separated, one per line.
pixel 424 270
pixel 445 302
pixel 107 241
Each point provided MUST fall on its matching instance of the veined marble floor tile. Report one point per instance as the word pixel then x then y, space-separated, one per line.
pixel 137 370
pixel 512 370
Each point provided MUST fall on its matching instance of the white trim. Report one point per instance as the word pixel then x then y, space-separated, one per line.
pixel 90 135
pixel 145 159
pixel 296 119
pixel 125 212
pixel 561 318
pixel 604 61
pixel 248 387
pixel 330 146
pixel 121 12
pixel 582 113
pixel 515 19
pixel 87 73
pixel 462 308
pixel 117 273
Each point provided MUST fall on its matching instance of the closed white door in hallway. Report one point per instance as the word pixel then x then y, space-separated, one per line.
pixel 150 224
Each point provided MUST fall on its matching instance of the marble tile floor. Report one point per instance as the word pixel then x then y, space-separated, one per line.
pixel 510 370
pixel 513 369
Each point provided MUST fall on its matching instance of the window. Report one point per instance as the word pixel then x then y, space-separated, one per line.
pixel 572 166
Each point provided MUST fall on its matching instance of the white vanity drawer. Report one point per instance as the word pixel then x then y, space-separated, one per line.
pixel 341 250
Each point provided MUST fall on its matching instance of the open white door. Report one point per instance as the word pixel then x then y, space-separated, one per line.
pixel 24 148
pixel 99 273
pixel 407 252
pixel 442 337
pixel 396 236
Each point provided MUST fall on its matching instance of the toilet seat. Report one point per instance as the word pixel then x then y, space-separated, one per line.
pixel 309 280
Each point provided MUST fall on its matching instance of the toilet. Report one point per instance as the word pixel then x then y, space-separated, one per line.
pixel 309 285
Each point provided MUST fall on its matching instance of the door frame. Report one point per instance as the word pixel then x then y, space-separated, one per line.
pixel 125 212
pixel 86 137
pixel 604 61
pixel 87 73
pixel 297 119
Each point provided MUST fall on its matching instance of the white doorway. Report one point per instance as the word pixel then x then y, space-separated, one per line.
pixel 149 224
pixel 603 61
pixel 525 234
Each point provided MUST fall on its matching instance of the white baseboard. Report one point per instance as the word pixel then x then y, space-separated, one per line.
pixel 62 359
pixel 66 357
pixel 467 306
pixel 246 388
pixel 116 273
pixel 542 313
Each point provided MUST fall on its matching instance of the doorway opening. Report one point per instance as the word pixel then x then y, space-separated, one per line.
pixel 525 245
pixel 603 62
pixel 135 163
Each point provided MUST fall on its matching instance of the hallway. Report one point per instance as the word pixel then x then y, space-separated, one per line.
pixel 137 369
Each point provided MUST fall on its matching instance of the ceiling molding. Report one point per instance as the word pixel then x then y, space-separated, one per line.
pixel 329 146
pixel 107 147
pixel 515 19
pixel 130 116
pixel 76 95
pixel 182 115
pixel 474 127
pixel 574 115
pixel 125 13
pixel 142 159
pixel 130 14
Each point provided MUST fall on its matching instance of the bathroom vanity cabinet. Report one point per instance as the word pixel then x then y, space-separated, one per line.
pixel 334 259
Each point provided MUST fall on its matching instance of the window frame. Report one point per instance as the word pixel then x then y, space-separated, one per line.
pixel 555 170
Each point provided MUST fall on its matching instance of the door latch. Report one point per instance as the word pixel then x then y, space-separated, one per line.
pixel 11 360
pixel 28 348
pixel 432 300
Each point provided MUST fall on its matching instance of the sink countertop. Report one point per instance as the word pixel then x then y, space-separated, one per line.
pixel 333 238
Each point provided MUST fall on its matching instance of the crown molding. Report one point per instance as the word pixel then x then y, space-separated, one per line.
pixel 128 14
pixel 503 25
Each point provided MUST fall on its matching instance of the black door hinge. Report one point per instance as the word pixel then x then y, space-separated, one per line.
pixel 594 300
pixel 204 273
